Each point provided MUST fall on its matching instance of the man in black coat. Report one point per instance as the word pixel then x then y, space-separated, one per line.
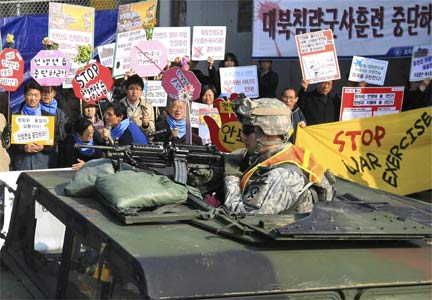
pixel 320 105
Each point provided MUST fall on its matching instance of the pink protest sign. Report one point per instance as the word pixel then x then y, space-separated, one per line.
pixel 176 80
pixel 92 83
pixel 49 67
pixel 11 69
pixel 149 58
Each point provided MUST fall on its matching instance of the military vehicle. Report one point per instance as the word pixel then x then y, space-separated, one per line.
pixel 365 244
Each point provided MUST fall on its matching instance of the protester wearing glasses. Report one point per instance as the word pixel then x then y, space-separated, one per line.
pixel 139 110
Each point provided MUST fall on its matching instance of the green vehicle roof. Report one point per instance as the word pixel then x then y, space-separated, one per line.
pixel 196 257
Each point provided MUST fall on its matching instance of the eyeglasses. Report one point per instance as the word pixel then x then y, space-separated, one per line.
pixel 248 129
pixel 134 89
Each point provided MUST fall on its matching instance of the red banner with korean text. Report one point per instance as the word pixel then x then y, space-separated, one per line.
pixel 361 102
pixel 367 28
pixel 391 152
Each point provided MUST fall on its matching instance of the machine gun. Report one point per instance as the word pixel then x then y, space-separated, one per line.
pixel 198 166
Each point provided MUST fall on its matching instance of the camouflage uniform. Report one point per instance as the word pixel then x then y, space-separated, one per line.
pixel 269 190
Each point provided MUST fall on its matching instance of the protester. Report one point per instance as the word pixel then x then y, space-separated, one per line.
pixel 320 105
pixel 289 97
pixel 70 104
pixel 4 156
pixel 269 175
pixel 202 78
pixel 49 104
pixel 208 95
pixel 84 133
pixel 122 129
pixel 139 110
pixel 31 156
pixel 267 79
pixel 417 94
pixel 90 112
pixel 174 127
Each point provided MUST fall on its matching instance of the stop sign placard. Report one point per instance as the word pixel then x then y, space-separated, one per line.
pixel 92 83
pixel 11 69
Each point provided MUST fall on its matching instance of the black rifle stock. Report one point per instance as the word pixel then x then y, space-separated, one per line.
pixel 200 166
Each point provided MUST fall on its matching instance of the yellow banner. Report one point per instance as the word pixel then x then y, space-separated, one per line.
pixel 33 129
pixel 391 153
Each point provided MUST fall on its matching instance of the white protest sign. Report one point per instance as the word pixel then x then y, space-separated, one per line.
pixel 208 41
pixel 106 55
pixel 368 69
pixel 421 63
pixel 176 40
pixel 194 116
pixel 155 93
pixel 317 54
pixel 71 26
pixel 130 32
pixel 32 129
pixel 239 80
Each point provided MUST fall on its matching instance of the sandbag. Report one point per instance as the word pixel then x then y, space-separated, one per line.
pixel 83 183
pixel 128 190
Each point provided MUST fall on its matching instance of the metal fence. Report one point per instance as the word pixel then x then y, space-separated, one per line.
pixel 10 8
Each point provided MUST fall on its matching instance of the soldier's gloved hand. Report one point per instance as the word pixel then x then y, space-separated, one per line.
pixel 232 170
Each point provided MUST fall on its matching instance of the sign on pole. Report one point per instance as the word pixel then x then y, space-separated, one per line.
pixel 318 58
pixel 370 101
pixel 49 67
pixel 11 69
pixel 148 58
pixel 92 83
pixel 181 84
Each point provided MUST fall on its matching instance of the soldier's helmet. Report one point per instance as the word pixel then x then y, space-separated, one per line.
pixel 269 114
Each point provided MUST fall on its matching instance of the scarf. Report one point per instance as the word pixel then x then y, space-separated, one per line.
pixel 84 151
pixel 118 131
pixel 29 111
pixel 181 125
pixel 50 108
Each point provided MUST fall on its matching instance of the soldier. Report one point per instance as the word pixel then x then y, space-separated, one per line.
pixel 270 175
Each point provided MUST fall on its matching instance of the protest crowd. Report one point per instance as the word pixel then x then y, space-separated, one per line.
pixel 128 117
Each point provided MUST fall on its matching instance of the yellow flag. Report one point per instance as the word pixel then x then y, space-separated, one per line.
pixel 392 152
